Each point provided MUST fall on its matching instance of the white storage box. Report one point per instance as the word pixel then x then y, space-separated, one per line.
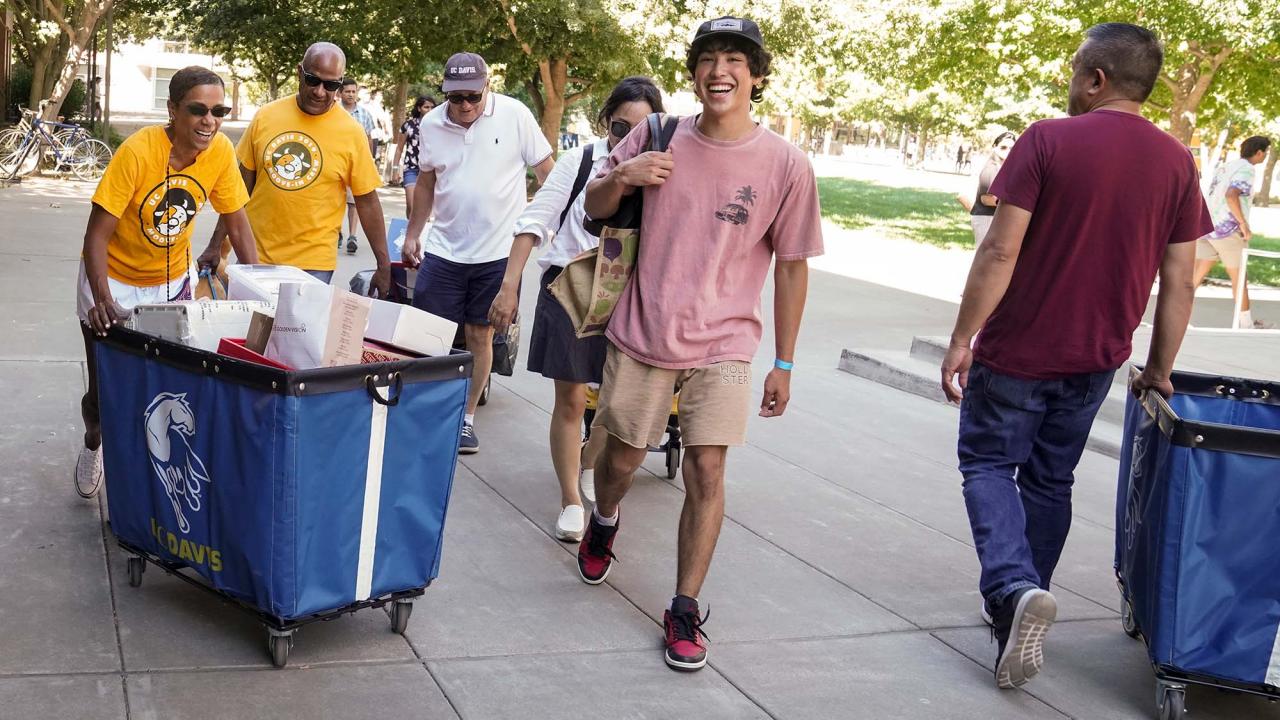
pixel 198 323
pixel 409 328
pixel 262 282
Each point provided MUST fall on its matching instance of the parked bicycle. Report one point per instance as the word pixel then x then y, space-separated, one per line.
pixel 65 146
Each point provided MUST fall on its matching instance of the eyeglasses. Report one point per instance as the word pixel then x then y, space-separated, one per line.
pixel 314 80
pixel 459 98
pixel 198 110
pixel 619 128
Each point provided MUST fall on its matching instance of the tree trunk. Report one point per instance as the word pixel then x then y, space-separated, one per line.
pixel 555 76
pixel 77 44
pixel 39 69
pixel 273 86
pixel 1264 195
pixel 398 109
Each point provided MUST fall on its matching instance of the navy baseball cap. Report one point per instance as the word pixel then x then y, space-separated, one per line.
pixel 465 71
pixel 741 27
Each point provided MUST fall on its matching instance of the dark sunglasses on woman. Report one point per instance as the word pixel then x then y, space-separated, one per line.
pixel 619 128
pixel 314 80
pixel 198 110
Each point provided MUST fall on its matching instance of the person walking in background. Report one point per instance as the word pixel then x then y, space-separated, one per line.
pixel 472 159
pixel 1230 200
pixel 727 199
pixel 1090 208
pixel 138 239
pixel 406 161
pixel 983 206
pixel 556 217
pixel 299 156
pixel 350 95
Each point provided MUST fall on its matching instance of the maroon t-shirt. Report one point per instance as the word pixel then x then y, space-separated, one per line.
pixel 1108 192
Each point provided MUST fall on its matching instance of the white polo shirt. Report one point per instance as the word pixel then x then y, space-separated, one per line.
pixel 480 173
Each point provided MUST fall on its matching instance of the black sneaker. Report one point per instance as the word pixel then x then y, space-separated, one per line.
pixel 469 444
pixel 685 641
pixel 1020 625
pixel 351 245
pixel 595 552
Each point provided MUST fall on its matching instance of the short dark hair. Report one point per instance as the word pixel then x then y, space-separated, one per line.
pixel 1253 145
pixel 414 112
pixel 636 88
pixel 1000 138
pixel 1129 55
pixel 191 76
pixel 349 81
pixel 758 58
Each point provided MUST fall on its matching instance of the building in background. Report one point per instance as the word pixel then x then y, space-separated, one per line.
pixel 140 73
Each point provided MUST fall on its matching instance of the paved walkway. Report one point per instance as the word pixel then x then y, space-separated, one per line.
pixel 843 587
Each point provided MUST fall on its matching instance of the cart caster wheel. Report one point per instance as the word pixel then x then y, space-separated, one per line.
pixel 137 566
pixel 484 394
pixel 400 612
pixel 280 645
pixel 1128 621
pixel 673 463
pixel 1171 701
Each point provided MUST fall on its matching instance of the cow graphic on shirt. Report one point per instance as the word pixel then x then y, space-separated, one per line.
pixel 292 160
pixel 165 216
pixel 736 212
pixel 290 166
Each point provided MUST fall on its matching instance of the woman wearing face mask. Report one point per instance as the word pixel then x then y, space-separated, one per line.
pixel 137 242
pixel 407 146
pixel 982 209
pixel 554 350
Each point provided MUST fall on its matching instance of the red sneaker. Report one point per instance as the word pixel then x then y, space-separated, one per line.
pixel 595 553
pixel 686 643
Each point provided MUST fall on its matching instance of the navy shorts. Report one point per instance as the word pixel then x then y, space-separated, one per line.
pixel 461 292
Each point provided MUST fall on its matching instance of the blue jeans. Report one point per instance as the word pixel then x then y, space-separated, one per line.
pixel 1020 442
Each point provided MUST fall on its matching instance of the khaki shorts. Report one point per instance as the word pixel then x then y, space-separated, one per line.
pixel 635 401
pixel 1228 249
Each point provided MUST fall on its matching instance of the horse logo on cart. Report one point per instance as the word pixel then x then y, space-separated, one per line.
pixel 170 426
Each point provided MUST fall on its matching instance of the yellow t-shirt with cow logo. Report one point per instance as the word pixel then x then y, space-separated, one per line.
pixel 156 205
pixel 304 165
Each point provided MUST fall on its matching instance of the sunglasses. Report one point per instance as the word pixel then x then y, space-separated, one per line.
pixel 619 128
pixel 314 80
pixel 198 110
pixel 459 98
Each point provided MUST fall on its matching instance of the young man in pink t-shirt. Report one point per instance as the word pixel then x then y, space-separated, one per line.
pixel 726 198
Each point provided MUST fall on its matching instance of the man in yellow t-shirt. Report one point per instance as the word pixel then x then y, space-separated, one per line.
pixel 298 157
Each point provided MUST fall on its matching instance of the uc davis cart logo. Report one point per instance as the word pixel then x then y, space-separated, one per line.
pixel 292 160
pixel 170 426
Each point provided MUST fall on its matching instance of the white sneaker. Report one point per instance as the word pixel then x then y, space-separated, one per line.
pixel 587 484
pixel 571 524
pixel 88 475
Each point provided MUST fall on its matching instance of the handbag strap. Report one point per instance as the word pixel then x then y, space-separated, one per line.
pixel 580 182
pixel 661 129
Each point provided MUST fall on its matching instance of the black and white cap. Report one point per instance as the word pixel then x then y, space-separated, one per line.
pixel 740 27
pixel 465 71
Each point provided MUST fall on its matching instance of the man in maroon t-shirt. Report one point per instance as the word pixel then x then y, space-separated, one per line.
pixel 1091 207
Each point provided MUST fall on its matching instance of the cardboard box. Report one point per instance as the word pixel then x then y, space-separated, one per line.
pixel 259 332
pixel 236 348
pixel 375 352
pixel 409 328
pixel 197 323
pixel 262 282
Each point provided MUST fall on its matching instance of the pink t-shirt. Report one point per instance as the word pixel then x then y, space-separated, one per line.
pixel 707 238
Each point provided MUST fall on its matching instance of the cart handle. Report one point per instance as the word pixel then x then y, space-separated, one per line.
pixel 395 380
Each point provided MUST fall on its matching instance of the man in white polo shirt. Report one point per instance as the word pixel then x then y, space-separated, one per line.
pixel 473 151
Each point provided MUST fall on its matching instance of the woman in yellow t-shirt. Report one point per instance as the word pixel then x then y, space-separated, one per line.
pixel 137 243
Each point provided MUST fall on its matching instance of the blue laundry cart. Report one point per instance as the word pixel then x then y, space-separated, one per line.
pixel 295 495
pixel 1197 534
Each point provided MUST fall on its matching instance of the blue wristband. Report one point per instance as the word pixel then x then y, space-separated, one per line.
pixel 783 365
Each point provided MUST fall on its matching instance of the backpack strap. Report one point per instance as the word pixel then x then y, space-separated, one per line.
pixel 580 182
pixel 662 128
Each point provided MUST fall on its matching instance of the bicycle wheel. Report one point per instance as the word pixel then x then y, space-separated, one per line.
pixel 89 158
pixel 19 161
pixel 10 138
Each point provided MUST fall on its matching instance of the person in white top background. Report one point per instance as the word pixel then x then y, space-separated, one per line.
pixel 554 221
pixel 472 156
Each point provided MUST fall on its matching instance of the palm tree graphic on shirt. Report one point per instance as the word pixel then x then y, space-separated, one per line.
pixel 736 212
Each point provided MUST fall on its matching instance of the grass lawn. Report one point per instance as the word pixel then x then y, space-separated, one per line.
pixel 936 218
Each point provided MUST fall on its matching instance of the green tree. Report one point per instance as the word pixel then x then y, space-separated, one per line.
pixel 268 37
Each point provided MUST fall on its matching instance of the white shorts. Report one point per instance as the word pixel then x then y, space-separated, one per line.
pixel 130 296
pixel 981 224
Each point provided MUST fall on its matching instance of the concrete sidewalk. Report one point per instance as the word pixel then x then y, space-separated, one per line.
pixel 844 584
